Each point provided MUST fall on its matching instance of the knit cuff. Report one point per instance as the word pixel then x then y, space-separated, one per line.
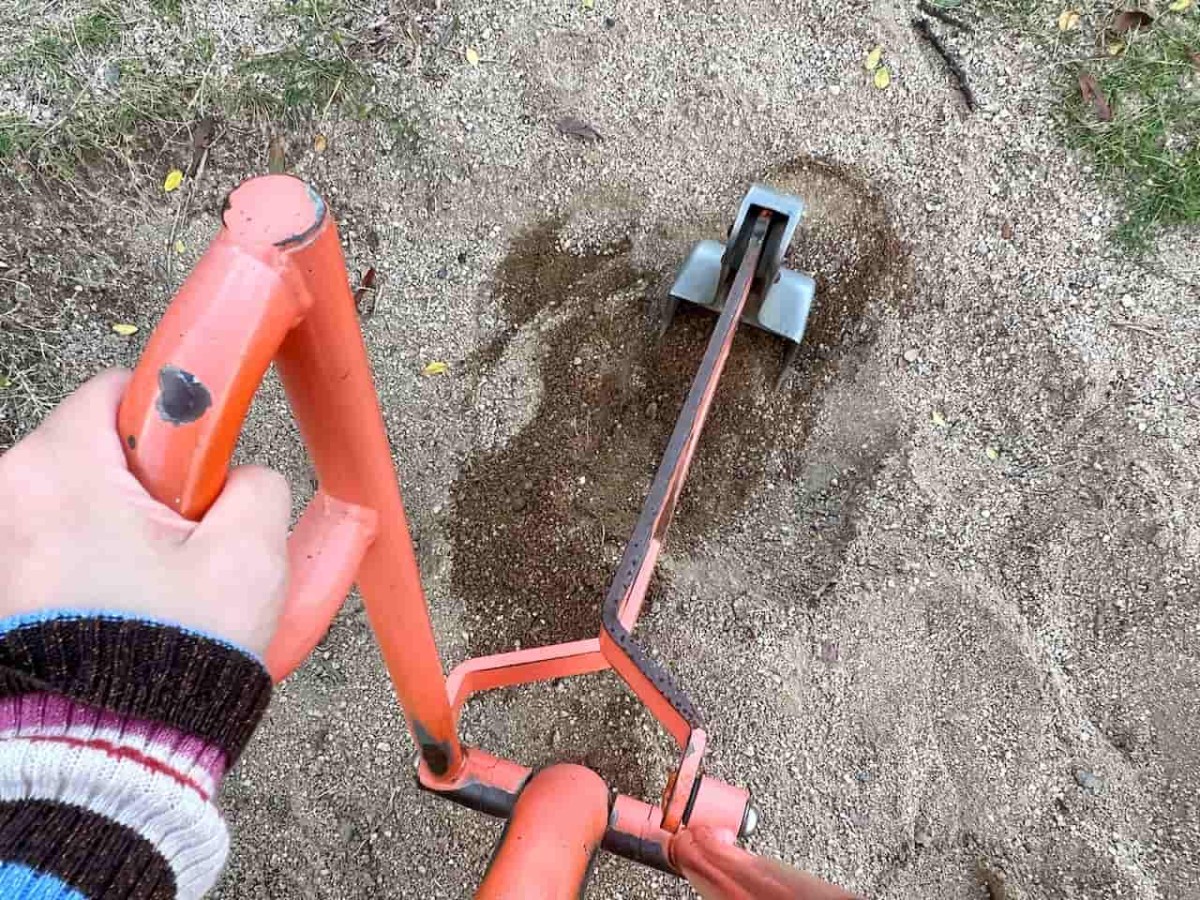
pixel 52 850
pixel 192 683
pixel 115 734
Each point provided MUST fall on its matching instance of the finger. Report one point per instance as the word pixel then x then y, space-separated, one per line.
pixel 87 419
pixel 255 505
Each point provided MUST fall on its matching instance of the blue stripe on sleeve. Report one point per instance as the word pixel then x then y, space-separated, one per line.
pixel 18 882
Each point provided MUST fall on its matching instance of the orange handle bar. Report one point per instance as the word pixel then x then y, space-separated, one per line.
pixel 273 287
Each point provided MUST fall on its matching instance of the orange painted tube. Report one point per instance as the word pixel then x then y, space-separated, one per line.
pixel 273 286
pixel 552 836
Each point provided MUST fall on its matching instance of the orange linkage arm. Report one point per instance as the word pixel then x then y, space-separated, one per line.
pixel 273 286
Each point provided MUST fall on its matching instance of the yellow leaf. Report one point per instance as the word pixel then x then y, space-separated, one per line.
pixel 589 4
pixel 1068 20
pixel 320 142
pixel 435 368
pixel 1180 5
pixel 874 58
pixel 472 56
pixel 883 77
pixel 180 246
pixel 173 180
pixel 992 453
pixel 1116 48
pixel 5 382
pixel 938 419
pixel 125 329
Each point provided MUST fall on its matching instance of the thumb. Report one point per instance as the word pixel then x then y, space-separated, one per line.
pixel 240 553
pixel 253 508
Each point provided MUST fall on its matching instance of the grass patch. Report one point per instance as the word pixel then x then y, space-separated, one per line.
pixel 1148 153
pixel 93 92
pixel 1150 150
pixel 172 10
pixel 98 29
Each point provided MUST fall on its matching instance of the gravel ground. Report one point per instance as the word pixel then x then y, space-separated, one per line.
pixel 937 597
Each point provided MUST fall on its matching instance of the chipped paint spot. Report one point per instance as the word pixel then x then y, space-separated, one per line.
pixel 435 753
pixel 182 398
pixel 318 205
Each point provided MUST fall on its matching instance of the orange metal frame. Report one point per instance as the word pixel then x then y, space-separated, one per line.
pixel 273 287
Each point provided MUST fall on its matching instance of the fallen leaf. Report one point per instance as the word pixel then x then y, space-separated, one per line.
pixel 173 180
pixel 1068 20
pixel 1115 48
pixel 1195 57
pixel 1006 231
pixel 1131 20
pixel 180 246
pixel 1180 6
pixel 366 285
pixel 320 143
pixel 578 129
pixel 883 77
pixel 435 368
pixel 472 56
pixel 992 453
pixel 1089 88
pixel 874 58
pixel 5 382
pixel 938 419
pixel 589 4
pixel 276 158
pixel 125 329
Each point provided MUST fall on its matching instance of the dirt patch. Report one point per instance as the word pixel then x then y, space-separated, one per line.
pixel 539 522
pixel 64 281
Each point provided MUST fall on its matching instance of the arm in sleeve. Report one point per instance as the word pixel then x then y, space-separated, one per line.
pixel 115 733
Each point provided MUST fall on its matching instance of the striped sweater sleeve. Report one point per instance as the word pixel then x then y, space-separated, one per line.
pixel 115 734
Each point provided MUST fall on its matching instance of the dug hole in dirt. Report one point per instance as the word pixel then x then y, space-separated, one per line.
pixel 538 524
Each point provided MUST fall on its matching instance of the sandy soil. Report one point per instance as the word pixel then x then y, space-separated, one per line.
pixel 937 597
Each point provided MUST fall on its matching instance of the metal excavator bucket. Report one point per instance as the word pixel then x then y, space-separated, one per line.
pixel 780 298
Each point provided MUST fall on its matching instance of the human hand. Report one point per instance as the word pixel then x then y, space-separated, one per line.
pixel 722 871
pixel 77 531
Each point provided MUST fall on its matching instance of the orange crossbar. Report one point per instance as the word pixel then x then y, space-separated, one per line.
pixel 483 673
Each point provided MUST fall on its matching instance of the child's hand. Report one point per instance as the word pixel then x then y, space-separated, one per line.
pixel 78 532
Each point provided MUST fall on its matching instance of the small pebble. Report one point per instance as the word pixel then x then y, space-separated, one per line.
pixel 912 355
pixel 1089 781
